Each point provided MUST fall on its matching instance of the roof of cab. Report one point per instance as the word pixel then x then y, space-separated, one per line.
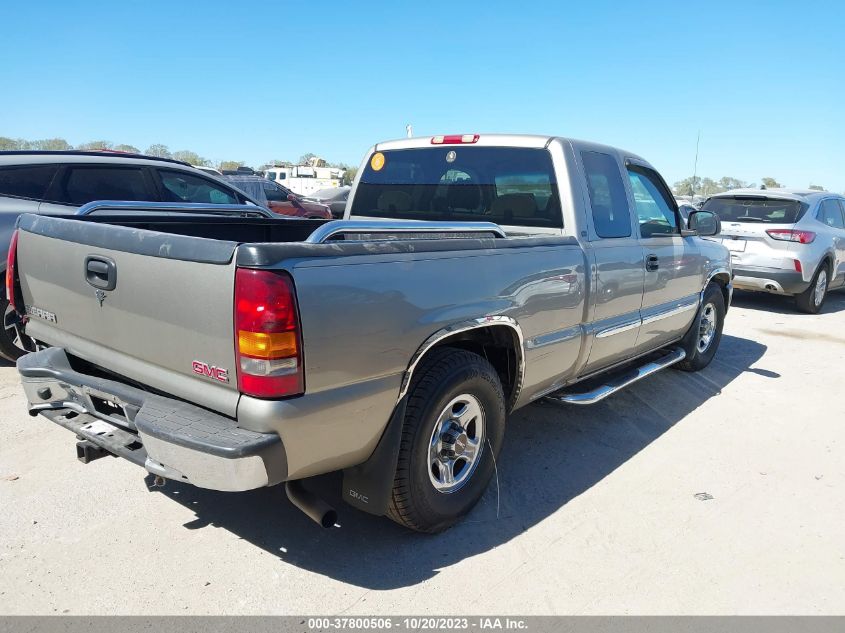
pixel 506 140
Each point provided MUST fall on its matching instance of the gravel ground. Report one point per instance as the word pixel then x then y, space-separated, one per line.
pixel 712 493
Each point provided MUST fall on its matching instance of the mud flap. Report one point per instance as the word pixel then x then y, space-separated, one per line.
pixel 368 486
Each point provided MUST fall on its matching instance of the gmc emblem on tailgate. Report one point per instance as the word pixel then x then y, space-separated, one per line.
pixel 210 371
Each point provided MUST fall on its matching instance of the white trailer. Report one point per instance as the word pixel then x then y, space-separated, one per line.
pixel 305 180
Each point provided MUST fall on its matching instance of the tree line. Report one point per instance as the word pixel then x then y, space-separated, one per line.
pixel 697 186
pixel 156 149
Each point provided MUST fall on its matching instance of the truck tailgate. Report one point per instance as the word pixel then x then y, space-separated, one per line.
pixel 153 307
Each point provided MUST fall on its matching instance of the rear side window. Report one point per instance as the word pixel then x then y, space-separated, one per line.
pixel 831 214
pixel 29 181
pixel 507 185
pixel 178 186
pixel 86 184
pixel 655 206
pixel 611 216
pixel 756 209
pixel 274 193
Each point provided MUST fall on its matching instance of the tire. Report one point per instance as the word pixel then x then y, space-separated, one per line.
pixel 812 299
pixel 13 343
pixel 703 338
pixel 458 394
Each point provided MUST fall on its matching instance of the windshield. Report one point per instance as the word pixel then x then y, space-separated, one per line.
pixel 756 209
pixel 506 185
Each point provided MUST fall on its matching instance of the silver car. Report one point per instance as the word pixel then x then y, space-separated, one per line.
pixel 782 241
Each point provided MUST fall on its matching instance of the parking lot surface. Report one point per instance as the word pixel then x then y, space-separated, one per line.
pixel 712 493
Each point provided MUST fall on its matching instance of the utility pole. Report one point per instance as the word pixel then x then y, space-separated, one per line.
pixel 695 166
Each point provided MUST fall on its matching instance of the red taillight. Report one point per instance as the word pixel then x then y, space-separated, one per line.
pixel 267 337
pixel 788 235
pixel 11 272
pixel 454 139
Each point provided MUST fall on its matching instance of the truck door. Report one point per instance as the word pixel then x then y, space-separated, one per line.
pixel 617 260
pixel 674 265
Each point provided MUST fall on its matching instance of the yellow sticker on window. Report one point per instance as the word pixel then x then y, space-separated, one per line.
pixel 377 161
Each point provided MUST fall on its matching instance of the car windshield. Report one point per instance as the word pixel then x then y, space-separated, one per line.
pixel 507 185
pixel 756 209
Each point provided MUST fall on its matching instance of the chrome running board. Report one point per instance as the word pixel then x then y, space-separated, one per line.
pixel 612 386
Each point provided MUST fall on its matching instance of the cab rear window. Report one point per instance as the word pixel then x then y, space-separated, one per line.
pixel 760 210
pixel 511 186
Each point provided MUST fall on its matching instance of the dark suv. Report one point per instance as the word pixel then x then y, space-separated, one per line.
pixel 58 183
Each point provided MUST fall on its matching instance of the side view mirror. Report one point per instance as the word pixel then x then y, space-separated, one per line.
pixel 292 197
pixel 705 223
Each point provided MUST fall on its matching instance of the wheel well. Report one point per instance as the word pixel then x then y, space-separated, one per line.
pixel 722 280
pixel 501 346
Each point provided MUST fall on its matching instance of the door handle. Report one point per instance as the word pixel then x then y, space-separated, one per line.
pixel 100 272
pixel 652 263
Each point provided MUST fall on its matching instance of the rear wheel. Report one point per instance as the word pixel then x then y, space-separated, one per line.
pixel 453 430
pixel 703 338
pixel 812 299
pixel 13 342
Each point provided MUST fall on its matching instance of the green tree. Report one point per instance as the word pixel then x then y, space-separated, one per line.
pixel 51 144
pixel 8 144
pixel 349 175
pixel 727 183
pixel 187 156
pixel 687 186
pixel 95 145
pixel 303 160
pixel 771 183
pixel 816 188
pixel 127 148
pixel 229 164
pixel 159 150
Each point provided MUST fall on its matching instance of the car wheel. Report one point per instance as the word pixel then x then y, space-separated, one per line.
pixel 453 430
pixel 703 338
pixel 812 299
pixel 13 342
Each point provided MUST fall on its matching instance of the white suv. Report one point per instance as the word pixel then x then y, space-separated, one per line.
pixel 784 241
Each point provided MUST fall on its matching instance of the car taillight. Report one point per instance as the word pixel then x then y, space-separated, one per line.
pixel 11 272
pixel 454 139
pixel 789 235
pixel 268 344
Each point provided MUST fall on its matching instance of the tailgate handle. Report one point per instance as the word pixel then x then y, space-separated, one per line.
pixel 101 272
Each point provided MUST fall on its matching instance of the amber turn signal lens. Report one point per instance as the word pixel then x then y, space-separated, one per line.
pixel 267 345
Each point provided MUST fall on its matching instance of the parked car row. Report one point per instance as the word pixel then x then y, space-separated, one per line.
pixel 59 182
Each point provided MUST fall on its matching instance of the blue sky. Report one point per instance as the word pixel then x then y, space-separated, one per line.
pixel 764 82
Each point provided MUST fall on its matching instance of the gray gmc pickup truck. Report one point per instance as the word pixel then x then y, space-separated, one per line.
pixel 482 273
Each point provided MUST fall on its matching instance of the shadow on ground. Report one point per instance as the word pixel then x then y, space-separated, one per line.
pixel 778 304
pixel 551 455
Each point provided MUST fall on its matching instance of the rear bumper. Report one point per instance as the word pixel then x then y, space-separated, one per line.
pixel 784 282
pixel 167 437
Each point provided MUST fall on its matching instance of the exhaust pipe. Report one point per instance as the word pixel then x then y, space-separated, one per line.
pixel 315 508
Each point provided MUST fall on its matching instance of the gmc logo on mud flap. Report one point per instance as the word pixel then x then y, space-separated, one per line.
pixel 357 495
pixel 210 371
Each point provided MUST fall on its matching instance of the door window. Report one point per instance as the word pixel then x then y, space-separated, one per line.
pixel 611 216
pixel 29 181
pixel 178 186
pixel 86 184
pixel 831 214
pixel 274 193
pixel 655 207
